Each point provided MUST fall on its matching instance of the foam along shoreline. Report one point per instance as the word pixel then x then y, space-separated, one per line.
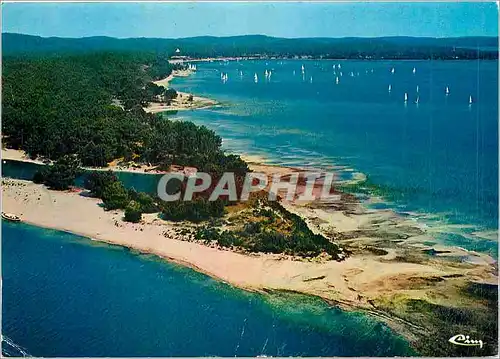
pixel 182 102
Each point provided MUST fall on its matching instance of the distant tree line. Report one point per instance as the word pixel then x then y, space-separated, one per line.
pixel 465 48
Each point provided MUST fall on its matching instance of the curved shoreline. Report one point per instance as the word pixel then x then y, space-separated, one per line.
pixel 353 284
pixel 182 102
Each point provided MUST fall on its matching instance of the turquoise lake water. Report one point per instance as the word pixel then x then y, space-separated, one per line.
pixel 437 159
pixel 64 295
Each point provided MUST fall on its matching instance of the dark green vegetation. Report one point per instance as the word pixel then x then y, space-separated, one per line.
pixel 91 106
pixel 475 316
pixel 197 210
pixel 208 46
pixel 61 175
pixel 106 186
pixel 265 226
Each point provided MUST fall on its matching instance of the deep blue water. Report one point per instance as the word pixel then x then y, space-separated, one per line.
pixel 64 295
pixel 437 158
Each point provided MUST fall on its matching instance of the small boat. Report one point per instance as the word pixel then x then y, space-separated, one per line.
pixel 255 78
pixel 337 80
pixel 470 100
pixel 414 70
pixel 266 73
pixel 303 68
pixel 447 90
pixel 311 80
pixel 10 217
pixel 392 70
pixel 417 88
pixel 406 97
pixel 390 88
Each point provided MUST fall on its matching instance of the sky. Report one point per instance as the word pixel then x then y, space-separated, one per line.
pixel 280 19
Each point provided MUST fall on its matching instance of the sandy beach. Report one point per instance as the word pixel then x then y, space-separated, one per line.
pixel 389 256
pixel 117 166
pixel 182 102
pixel 343 281
pixel 354 284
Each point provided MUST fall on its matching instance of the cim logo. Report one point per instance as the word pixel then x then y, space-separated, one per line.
pixel 464 340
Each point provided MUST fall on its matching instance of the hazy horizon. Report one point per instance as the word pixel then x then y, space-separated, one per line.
pixel 274 19
pixel 278 37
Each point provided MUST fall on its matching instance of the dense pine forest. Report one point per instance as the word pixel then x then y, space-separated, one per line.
pixel 91 105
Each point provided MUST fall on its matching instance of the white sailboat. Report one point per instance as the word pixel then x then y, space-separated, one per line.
pixel 311 80
pixel 266 73
pixel 390 88
pixel 269 75
pixel 392 70
pixel 255 78
pixel 406 97
pixel 339 67
pixel 470 100
pixel 447 91
pixel 417 88
pixel 293 72
pixel 337 80
pixel 414 70
pixel 303 68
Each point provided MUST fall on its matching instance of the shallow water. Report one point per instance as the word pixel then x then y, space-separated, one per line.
pixel 437 159
pixel 64 295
